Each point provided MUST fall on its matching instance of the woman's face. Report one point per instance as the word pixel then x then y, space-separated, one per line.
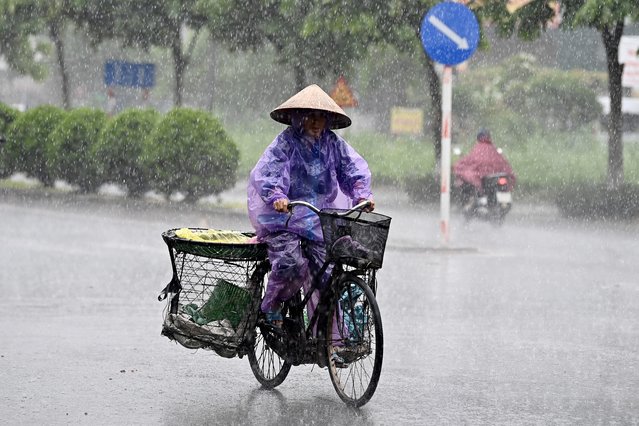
pixel 314 124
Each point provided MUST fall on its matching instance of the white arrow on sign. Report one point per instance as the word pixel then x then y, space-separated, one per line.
pixel 462 43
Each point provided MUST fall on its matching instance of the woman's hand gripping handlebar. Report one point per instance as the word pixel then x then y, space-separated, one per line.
pixel 283 205
pixel 364 205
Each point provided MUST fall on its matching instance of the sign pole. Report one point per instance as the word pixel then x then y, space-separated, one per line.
pixel 449 34
pixel 447 101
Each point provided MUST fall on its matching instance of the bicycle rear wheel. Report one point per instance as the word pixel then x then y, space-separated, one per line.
pixel 269 368
pixel 355 341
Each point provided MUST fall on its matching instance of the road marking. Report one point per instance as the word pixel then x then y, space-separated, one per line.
pixel 461 43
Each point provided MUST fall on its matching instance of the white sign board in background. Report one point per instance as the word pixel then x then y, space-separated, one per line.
pixel 628 47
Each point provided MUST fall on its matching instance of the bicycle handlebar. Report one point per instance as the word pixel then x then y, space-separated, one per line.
pixel 359 206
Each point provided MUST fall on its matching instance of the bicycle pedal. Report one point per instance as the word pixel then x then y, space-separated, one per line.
pixel 268 328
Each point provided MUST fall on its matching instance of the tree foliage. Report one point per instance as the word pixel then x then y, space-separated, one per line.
pixel 608 17
pixel 522 98
pixel 312 38
pixel 170 24
pixel 21 20
pixel 391 23
pixel 18 24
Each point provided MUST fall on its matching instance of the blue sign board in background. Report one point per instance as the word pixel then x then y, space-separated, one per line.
pixel 120 73
pixel 449 33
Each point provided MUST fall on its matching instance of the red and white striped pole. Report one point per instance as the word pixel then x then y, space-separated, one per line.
pixel 447 101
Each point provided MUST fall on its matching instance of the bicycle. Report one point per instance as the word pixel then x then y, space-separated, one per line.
pixel 344 332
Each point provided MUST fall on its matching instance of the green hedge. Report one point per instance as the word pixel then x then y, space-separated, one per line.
pixel 596 201
pixel 581 200
pixel 190 151
pixel 30 138
pixel 120 149
pixel 185 151
pixel 7 116
pixel 72 147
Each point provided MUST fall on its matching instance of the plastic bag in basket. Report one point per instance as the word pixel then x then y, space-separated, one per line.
pixel 346 246
pixel 227 301
pixel 214 236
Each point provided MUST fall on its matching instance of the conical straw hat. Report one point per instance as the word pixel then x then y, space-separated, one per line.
pixel 312 98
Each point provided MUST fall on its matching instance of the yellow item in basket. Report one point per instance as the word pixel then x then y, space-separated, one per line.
pixel 213 236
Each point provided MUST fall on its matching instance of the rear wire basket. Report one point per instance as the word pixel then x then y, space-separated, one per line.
pixel 357 239
pixel 211 301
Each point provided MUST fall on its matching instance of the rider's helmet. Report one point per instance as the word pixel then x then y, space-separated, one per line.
pixel 484 135
pixel 312 98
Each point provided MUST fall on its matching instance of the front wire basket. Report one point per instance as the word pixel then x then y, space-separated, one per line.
pixel 210 299
pixel 357 239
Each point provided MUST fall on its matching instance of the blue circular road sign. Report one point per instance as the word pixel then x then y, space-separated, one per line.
pixel 449 33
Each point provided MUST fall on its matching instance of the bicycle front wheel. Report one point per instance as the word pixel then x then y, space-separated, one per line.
pixel 355 341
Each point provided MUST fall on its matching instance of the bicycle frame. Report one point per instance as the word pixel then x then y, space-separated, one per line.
pixel 344 333
pixel 302 341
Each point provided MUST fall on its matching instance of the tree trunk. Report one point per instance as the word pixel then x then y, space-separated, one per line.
pixel 181 59
pixel 56 35
pixel 179 65
pixel 300 77
pixel 435 93
pixel 212 73
pixel 611 38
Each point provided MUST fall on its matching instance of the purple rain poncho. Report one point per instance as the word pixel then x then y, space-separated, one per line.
pixel 299 167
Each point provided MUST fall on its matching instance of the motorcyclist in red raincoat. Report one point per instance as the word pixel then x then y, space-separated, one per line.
pixel 482 160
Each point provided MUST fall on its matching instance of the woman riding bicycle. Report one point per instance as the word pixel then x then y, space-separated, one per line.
pixel 306 162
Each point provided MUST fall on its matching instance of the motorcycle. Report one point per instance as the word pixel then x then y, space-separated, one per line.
pixel 493 202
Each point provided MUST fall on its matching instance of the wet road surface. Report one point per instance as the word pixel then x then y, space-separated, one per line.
pixel 535 322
